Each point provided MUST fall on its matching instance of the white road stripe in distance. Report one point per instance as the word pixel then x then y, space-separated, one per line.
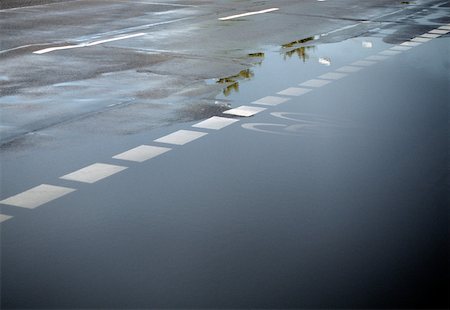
pixel 37 196
pixel 294 91
pixel 420 39
pixel 271 100
pixel 410 43
pixel 93 173
pixel 389 52
pixel 142 153
pixel 333 76
pixel 377 58
pixel 430 35
pixel 400 48
pixel 244 111
pixel 181 137
pixel 4 217
pixel 215 123
pixel 58 48
pixel 249 13
pixel 349 69
pixel 315 83
pixel 444 27
pixel 364 63
pixel 439 31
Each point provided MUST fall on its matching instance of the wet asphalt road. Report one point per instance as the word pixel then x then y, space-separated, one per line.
pixel 335 198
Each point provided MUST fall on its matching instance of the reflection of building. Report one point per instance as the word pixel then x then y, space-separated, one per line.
pixel 233 81
pixel 300 51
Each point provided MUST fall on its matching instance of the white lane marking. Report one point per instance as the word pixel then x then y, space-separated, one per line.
pixel 389 52
pixel 93 173
pixel 142 153
pixel 420 39
pixel 315 83
pixel 4 217
pixel 333 76
pixel 215 122
pixel 349 69
pixel 444 27
pixel 430 35
pixel 37 196
pixel 271 100
pixel 51 49
pixel 439 31
pixel 294 91
pixel 409 43
pixel 364 63
pixel 400 48
pixel 249 13
pixel 181 137
pixel 245 111
pixel 377 57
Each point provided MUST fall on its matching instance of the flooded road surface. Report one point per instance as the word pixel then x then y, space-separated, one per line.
pixel 316 177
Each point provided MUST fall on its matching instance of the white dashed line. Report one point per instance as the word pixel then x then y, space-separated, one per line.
pixel 390 52
pixel 333 76
pixel 439 31
pixel 430 35
pixel 93 173
pixel 364 63
pixel 249 14
pixel 271 100
pixel 215 123
pixel 409 43
pixel 400 48
pixel 244 111
pixel 444 27
pixel 181 137
pixel 420 39
pixel 294 91
pixel 4 217
pixel 315 83
pixel 142 153
pixel 37 196
pixel 349 69
pixel 377 58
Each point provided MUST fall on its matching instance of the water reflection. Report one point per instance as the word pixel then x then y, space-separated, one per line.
pixel 233 81
pixel 301 52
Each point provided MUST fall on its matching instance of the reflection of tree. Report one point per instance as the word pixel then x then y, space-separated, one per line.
pixel 227 90
pixel 233 81
pixel 301 52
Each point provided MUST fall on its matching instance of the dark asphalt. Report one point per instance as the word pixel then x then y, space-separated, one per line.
pixel 337 198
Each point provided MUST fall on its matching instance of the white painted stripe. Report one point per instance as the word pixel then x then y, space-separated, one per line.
pixel 349 69
pixel 249 13
pixel 377 58
pixel 93 173
pixel 4 217
pixel 294 91
pixel 58 48
pixel 37 196
pixel 271 100
pixel 333 76
pixel 420 39
pixel 430 35
pixel 444 27
pixel 409 43
pixel 215 123
pixel 245 111
pixel 439 31
pixel 181 137
pixel 315 83
pixel 142 153
pixel 389 52
pixel 400 48
pixel 363 63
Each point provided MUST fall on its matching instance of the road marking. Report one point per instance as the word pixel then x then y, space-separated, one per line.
pixel 389 52
pixel 294 91
pixel 400 48
pixel 364 63
pixel 315 83
pixel 52 49
pixel 93 173
pixel 349 69
pixel 430 35
pixel 181 137
pixel 444 27
pixel 4 217
pixel 377 57
pixel 142 153
pixel 215 123
pixel 420 39
pixel 245 111
pixel 409 43
pixel 37 196
pixel 249 13
pixel 439 31
pixel 333 76
pixel 271 100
